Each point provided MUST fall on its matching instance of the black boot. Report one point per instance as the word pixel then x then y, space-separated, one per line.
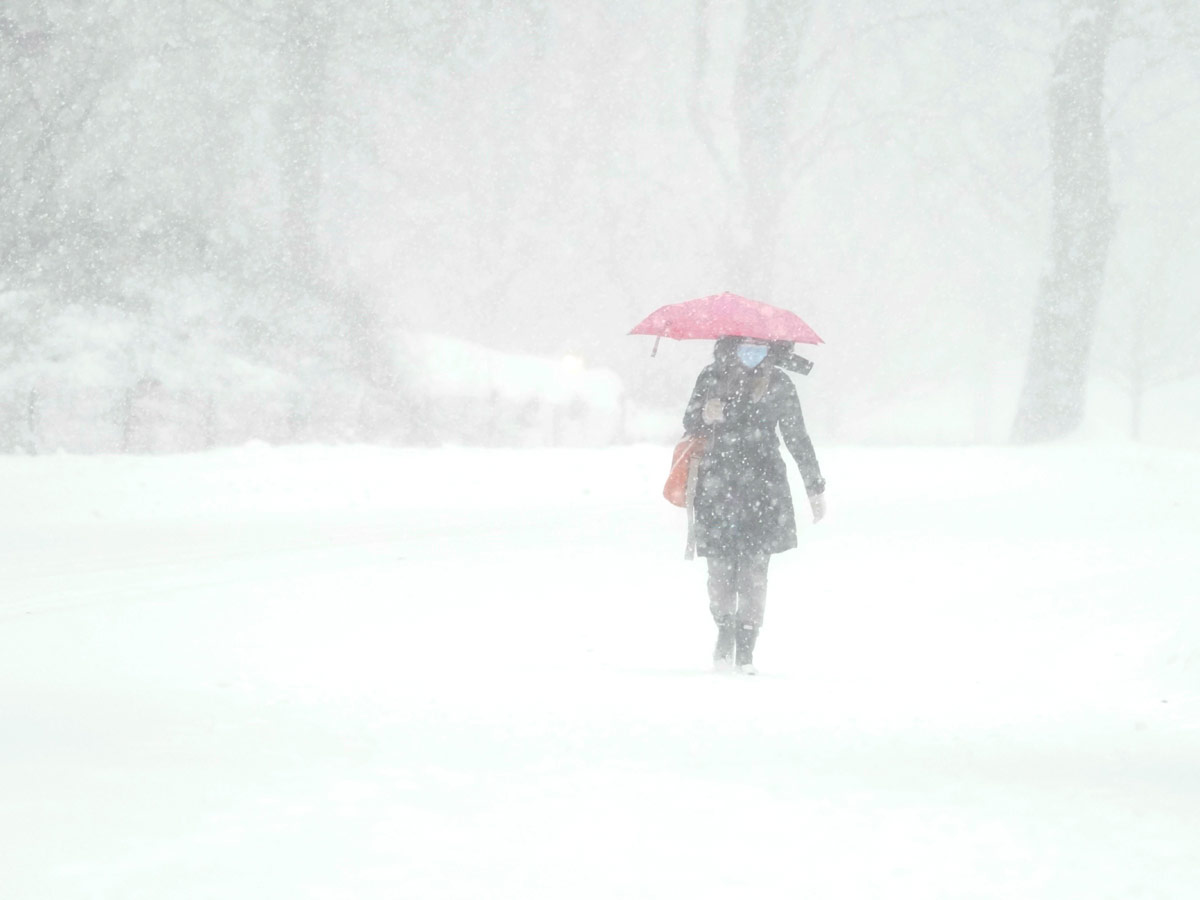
pixel 747 637
pixel 723 652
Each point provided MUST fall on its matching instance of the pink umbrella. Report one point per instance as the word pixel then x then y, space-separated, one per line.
pixel 709 318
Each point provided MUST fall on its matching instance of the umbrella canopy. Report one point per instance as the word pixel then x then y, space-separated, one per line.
pixel 709 318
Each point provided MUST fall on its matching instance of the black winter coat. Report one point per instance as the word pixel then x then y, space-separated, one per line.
pixel 743 503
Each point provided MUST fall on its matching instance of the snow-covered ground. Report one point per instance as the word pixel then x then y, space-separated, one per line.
pixel 367 673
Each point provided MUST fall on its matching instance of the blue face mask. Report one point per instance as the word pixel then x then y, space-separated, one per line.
pixel 750 355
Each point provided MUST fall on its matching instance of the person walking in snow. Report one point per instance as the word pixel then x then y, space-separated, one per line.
pixel 742 502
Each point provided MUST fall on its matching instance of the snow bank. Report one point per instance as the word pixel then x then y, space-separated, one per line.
pixel 476 394
pixel 184 365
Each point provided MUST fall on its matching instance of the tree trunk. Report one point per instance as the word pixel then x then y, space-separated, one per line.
pixel 304 62
pixel 765 88
pixel 1053 396
pixel 1138 369
pixel 1136 404
pixel 350 334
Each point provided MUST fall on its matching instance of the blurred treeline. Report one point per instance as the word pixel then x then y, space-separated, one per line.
pixel 232 211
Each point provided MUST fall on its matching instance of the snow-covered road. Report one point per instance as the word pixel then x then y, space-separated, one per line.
pixel 367 673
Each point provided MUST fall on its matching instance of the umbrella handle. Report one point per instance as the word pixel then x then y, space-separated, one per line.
pixel 654 349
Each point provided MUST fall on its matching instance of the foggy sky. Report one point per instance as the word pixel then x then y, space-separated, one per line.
pixel 538 176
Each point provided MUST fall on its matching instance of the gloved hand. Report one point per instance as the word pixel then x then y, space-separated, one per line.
pixel 817 502
pixel 713 412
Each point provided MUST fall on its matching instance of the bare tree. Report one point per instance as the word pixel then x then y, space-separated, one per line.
pixel 1053 396
pixel 1159 353
pixel 1158 323
pixel 764 91
pixel 304 57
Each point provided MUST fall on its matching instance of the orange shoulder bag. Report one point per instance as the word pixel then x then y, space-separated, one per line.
pixel 686 452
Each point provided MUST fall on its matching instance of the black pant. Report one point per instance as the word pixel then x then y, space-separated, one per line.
pixel 737 589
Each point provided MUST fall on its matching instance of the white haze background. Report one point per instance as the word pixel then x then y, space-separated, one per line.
pixel 229 221
pixel 332 556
